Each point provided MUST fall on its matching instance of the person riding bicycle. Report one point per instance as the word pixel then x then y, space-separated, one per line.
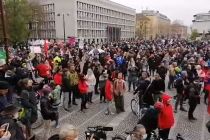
pixel 150 119
pixel 143 88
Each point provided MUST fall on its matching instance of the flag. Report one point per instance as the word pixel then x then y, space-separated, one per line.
pixel 46 47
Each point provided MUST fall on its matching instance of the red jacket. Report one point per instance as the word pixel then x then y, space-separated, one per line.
pixel 166 116
pixel 109 90
pixel 43 70
pixel 58 79
pixel 83 87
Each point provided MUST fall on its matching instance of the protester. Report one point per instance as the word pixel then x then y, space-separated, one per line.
pixel 83 89
pixel 29 104
pixel 102 82
pixel 165 117
pixel 109 94
pixel 91 82
pixel 48 113
pixel 194 99
pixel 10 115
pixel 119 90
pixel 150 119
pixel 74 79
pixel 4 86
pixel 66 88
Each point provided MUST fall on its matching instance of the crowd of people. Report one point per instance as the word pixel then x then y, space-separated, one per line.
pixel 72 73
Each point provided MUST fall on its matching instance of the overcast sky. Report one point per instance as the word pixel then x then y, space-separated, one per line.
pixel 174 9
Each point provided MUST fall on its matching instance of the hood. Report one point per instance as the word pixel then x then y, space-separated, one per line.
pixel 165 98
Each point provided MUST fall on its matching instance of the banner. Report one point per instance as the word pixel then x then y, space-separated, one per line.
pixel 72 41
pixel 35 49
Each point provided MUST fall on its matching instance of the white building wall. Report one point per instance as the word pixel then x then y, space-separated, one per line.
pixel 201 27
pixel 85 26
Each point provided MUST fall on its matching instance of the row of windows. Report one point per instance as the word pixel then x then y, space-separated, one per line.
pixel 101 18
pixel 47 34
pixel 48 25
pixel 99 25
pixel 48 17
pixel 91 33
pixel 100 34
pixel 48 7
pixel 101 10
pixel 203 17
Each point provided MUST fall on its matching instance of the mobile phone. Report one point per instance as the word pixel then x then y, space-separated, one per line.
pixel 5 127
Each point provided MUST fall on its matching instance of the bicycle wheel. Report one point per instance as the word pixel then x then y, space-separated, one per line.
pixel 135 107
pixel 39 122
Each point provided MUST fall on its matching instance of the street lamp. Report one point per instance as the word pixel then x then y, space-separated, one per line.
pixel 64 25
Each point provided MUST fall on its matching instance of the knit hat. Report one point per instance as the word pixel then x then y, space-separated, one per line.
pixel 4 85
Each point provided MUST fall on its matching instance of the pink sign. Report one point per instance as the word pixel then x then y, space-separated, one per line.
pixel 72 41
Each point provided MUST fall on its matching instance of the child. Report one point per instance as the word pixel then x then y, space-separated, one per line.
pixel 55 98
pixel 109 94
pixel 83 89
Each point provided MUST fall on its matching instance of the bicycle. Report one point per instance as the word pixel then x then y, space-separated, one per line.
pixel 138 109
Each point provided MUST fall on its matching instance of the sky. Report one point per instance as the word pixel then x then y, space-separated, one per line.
pixel 174 9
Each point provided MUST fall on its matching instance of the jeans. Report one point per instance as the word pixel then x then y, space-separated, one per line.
pixel 164 133
pixel 83 101
pixel 89 96
pixel 96 86
pixel 179 99
pixel 170 82
pixel 74 90
pixel 66 99
pixel 131 83
pixel 102 93
pixel 191 110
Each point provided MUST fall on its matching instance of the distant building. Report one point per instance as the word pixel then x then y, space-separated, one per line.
pixel 158 24
pixel 201 23
pixel 141 26
pixel 87 20
pixel 179 31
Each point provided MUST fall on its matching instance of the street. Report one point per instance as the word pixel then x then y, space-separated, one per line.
pixel 95 116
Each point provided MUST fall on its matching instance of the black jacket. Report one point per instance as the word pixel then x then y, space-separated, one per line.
pixel 150 120
pixel 157 86
pixel 48 113
pixel 14 128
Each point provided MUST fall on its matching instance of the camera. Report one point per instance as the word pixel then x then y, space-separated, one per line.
pixel 98 132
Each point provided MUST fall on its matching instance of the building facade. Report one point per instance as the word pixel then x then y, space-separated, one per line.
pixel 201 23
pixel 87 20
pixel 178 31
pixel 158 24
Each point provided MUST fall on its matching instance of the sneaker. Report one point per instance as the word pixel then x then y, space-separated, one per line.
pixel 111 113
pixel 57 126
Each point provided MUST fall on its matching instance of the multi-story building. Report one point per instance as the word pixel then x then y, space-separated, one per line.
pixel 158 24
pixel 178 30
pixel 201 23
pixel 141 26
pixel 87 20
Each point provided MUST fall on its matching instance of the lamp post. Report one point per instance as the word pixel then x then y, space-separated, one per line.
pixel 64 26
pixel 4 31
